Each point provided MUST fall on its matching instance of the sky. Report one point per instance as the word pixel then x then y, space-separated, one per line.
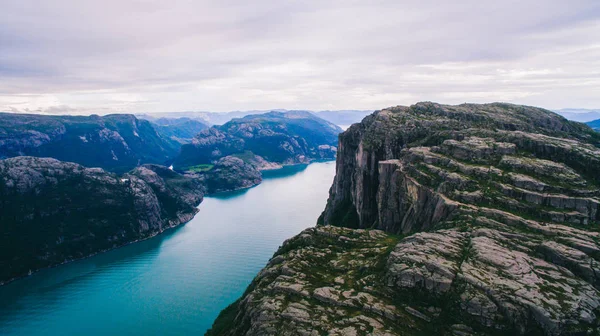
pixel 113 56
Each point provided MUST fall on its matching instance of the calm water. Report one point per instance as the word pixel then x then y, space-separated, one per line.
pixel 175 283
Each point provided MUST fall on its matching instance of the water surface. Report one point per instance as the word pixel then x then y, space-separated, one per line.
pixel 177 282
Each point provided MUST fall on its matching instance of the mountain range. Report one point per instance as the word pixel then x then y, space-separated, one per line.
pixel 338 117
pixel 261 141
pixel 117 142
pixel 580 115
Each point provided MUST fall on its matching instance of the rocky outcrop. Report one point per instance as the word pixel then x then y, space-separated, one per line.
pixel 322 282
pixel 113 142
pixel 490 214
pixel 54 212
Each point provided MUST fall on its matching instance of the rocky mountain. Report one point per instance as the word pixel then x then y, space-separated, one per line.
pixel 595 124
pixel 54 212
pixel 450 220
pixel 259 142
pixel 116 142
pixel 181 130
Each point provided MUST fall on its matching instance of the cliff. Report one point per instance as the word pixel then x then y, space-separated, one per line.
pixel 462 220
pixel 54 212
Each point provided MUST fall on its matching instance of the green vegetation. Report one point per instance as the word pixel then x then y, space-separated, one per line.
pixel 199 168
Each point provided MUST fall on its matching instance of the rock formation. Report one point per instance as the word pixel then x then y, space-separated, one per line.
pixel 468 220
pixel 53 212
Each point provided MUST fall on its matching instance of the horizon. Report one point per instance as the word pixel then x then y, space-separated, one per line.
pixel 568 110
pixel 148 57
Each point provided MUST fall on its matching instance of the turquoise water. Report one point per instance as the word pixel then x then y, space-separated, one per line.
pixel 178 282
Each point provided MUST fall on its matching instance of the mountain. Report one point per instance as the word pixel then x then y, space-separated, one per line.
pixel 274 137
pixel 443 220
pixel 338 117
pixel 115 142
pixel 581 115
pixel 54 212
pixel 595 124
pixel 181 130
pixel 209 118
pixel 343 117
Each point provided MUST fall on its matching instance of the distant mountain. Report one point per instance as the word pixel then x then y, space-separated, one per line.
pixel 581 115
pixel 53 212
pixel 281 137
pixel 345 117
pixel 341 117
pixel 594 124
pixel 261 141
pixel 181 130
pixel 209 118
pixel 115 142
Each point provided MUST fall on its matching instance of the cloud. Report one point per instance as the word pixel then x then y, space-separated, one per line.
pixel 151 55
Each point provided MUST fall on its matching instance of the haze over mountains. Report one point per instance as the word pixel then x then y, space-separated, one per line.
pixel 340 117
pixel 580 115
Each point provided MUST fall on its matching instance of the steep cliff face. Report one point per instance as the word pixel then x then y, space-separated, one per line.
pixel 53 211
pixel 113 142
pixel 489 219
pixel 467 140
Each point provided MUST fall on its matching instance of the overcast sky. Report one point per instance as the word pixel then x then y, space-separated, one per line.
pixel 80 56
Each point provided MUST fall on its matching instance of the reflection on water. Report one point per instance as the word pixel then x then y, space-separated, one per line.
pixel 177 282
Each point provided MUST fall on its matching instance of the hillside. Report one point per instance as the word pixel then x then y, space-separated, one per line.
pixel 116 142
pixel 275 137
pixel 54 212
pixel 181 130
pixel 594 124
pixel 449 220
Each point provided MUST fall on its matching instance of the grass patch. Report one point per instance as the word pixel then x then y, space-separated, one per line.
pixel 200 168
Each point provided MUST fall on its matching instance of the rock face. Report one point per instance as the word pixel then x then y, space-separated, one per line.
pixel 490 214
pixel 54 212
pixel 276 137
pixel 117 142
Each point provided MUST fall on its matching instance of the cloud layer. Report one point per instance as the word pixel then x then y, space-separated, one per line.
pixel 107 56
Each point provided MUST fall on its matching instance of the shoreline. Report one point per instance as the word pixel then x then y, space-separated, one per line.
pixel 170 227
pixel 11 280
